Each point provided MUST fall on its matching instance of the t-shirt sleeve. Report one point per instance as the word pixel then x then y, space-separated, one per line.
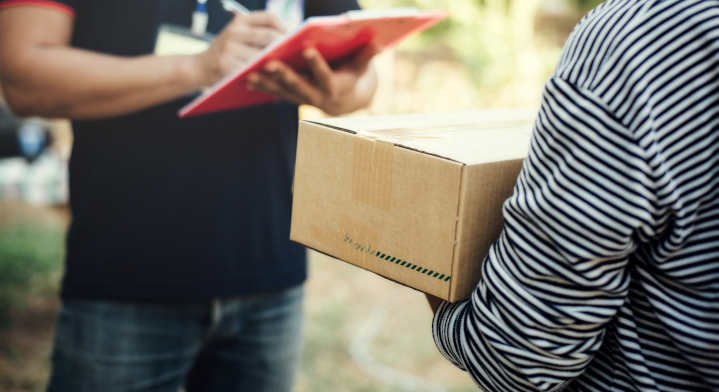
pixel 558 273
pixel 68 6
pixel 329 7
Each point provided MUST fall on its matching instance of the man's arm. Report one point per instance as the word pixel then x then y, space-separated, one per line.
pixel 42 75
pixel 558 273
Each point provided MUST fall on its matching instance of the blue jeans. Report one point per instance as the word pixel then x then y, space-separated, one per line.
pixel 250 343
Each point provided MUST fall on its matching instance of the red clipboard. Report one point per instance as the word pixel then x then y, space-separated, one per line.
pixel 335 37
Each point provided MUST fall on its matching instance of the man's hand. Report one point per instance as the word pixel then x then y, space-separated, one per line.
pixel 240 41
pixel 335 91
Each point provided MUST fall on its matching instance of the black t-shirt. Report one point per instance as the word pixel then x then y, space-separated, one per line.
pixel 168 209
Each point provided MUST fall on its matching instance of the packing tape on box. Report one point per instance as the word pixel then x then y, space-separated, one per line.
pixel 372 172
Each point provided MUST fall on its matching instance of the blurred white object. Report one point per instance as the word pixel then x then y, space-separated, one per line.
pixel 290 11
pixel 43 182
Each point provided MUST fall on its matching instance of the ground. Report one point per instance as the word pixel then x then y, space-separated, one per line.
pixel 362 332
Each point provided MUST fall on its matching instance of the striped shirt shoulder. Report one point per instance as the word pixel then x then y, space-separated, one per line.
pixel 622 42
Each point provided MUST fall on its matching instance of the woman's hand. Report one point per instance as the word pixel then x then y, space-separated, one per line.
pixel 434 302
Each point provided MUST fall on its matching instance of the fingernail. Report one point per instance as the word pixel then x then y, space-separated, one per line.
pixel 309 54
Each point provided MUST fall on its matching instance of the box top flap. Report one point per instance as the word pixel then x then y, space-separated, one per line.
pixel 474 137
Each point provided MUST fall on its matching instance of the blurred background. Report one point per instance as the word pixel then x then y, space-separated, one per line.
pixel 363 333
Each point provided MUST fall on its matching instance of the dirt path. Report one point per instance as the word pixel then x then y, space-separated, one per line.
pixel 25 346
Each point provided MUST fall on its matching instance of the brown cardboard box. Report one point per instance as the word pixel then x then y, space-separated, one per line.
pixel 414 198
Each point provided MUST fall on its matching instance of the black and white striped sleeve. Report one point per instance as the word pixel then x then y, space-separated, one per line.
pixel 557 274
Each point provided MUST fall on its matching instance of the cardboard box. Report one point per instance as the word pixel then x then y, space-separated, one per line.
pixel 414 198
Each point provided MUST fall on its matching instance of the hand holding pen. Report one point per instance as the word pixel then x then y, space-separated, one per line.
pixel 248 34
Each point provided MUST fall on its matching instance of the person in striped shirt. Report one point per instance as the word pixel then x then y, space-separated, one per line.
pixel 606 275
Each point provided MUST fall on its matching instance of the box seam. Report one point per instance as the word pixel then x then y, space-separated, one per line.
pixel 455 246
pixel 369 137
pixel 336 128
pixel 427 153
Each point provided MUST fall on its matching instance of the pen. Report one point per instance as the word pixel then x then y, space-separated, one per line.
pixel 199 18
pixel 234 6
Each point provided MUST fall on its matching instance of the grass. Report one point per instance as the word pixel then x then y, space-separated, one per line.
pixel 31 249
pixel 30 255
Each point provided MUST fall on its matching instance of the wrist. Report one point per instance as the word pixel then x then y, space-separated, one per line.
pixel 362 92
pixel 193 72
pixel 353 100
pixel 367 87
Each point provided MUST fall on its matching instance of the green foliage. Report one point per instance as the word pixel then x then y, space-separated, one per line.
pixel 28 253
pixel 586 4
pixel 496 40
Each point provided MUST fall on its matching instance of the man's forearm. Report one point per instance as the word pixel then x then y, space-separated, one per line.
pixel 43 75
pixel 73 83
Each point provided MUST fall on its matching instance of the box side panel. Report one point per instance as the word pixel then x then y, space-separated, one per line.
pixel 383 208
pixel 484 190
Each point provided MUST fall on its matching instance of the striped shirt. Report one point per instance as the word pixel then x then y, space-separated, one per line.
pixel 606 275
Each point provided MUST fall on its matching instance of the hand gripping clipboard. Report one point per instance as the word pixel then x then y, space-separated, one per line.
pixel 335 37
